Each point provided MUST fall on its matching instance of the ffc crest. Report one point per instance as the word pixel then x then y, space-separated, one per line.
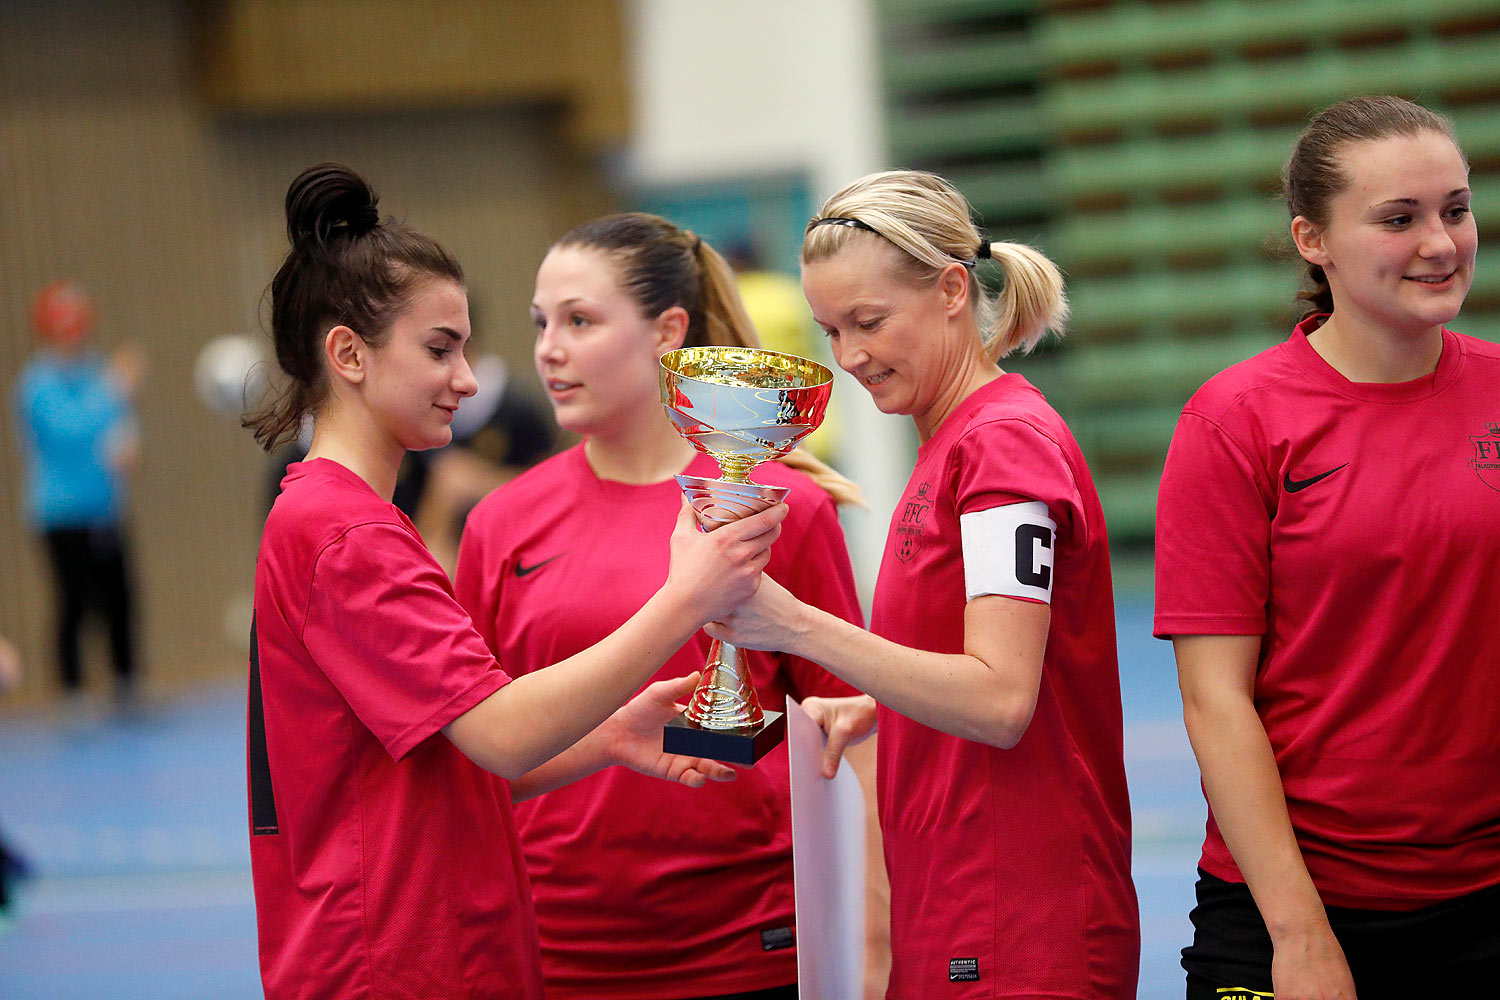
pixel 909 525
pixel 1486 460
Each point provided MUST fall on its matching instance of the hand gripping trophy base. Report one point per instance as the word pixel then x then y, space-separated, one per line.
pixel 724 720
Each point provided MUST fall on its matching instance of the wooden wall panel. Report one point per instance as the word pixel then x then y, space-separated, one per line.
pixel 298 55
pixel 113 171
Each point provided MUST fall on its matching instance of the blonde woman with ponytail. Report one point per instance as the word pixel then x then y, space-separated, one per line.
pixel 641 894
pixel 990 664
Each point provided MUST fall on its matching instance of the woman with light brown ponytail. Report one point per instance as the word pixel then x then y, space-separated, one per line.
pixel 991 653
pixel 641 892
pixel 1327 547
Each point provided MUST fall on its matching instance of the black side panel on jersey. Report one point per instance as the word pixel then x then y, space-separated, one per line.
pixel 262 798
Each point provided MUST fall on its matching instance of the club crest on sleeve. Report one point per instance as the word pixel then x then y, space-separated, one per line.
pixel 908 533
pixel 1486 460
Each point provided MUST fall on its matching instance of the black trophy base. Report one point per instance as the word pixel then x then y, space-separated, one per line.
pixel 731 746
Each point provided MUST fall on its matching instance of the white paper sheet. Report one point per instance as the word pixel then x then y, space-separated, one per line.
pixel 828 862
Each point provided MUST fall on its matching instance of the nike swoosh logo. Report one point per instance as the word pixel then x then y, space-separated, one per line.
pixel 525 570
pixel 1298 485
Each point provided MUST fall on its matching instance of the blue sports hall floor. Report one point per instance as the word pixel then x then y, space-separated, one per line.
pixel 135 828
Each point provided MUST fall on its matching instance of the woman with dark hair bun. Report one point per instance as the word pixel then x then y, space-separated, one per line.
pixel 1326 558
pixel 385 861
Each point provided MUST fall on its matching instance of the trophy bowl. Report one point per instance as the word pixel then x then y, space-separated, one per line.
pixel 742 406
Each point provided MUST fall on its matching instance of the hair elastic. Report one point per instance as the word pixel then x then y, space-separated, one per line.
pixel 983 253
pixel 364 219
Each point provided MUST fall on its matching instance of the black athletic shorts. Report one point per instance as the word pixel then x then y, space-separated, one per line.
pixel 1436 951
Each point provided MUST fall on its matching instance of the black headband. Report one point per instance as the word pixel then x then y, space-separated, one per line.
pixel 983 253
pixel 851 223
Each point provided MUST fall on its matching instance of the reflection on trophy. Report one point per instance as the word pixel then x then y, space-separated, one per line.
pixel 742 406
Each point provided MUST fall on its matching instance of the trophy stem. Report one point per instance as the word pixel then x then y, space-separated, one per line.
pixel 725 698
pixel 736 468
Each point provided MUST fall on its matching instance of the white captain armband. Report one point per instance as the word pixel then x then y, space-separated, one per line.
pixel 1008 551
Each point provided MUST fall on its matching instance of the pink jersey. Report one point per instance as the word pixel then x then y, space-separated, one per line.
pixel 1010 869
pixel 1355 526
pixel 643 888
pixel 385 863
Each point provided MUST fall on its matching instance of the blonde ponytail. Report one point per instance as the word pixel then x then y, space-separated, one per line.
pixel 1031 302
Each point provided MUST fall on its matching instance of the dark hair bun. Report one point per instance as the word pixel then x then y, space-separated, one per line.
pixel 327 201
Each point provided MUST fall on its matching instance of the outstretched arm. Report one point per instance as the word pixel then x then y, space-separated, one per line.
pixel 540 714
pixel 986 693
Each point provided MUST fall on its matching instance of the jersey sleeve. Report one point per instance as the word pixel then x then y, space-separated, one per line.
pixel 476 583
pixel 815 568
pixel 1010 463
pixel 386 630
pixel 1213 528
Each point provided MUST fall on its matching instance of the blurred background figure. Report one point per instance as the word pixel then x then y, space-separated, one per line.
pixel 75 417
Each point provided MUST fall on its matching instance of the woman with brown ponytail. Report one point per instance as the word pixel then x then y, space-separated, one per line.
pixel 991 653
pixel 1327 560
pixel 385 861
pixel 642 892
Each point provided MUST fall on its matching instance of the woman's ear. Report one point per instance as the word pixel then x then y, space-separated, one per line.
pixel 953 284
pixel 1309 240
pixel 344 350
pixel 670 329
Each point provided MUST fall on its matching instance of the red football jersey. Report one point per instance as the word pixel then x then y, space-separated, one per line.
pixel 644 888
pixel 1010 869
pixel 385 862
pixel 1356 526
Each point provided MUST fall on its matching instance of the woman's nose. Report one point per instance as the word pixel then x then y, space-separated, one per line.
pixel 464 382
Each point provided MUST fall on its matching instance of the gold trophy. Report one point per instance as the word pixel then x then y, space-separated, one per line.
pixel 742 406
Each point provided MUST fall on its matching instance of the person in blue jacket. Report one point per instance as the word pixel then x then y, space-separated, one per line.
pixel 78 435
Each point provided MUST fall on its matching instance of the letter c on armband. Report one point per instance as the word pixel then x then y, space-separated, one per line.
pixel 1009 550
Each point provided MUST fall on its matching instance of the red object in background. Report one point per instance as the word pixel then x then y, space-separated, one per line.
pixel 62 313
